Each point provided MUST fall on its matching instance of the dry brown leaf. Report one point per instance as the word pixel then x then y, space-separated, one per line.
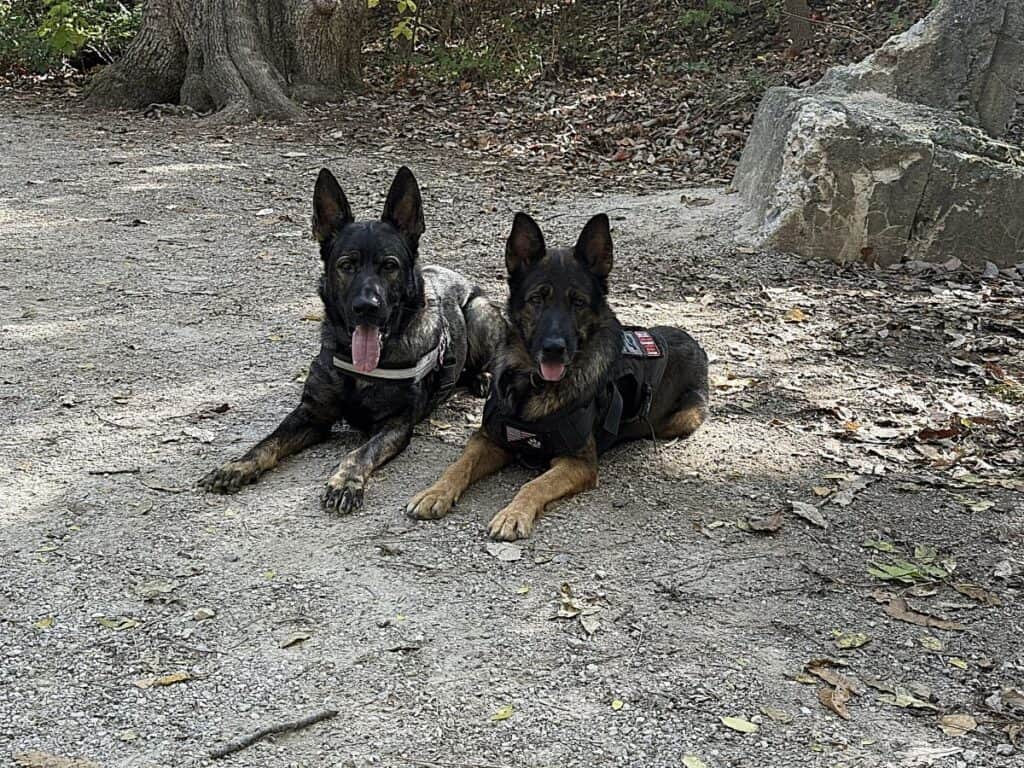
pixel 36 759
pixel 957 725
pixel 823 669
pixel 796 315
pixel 769 524
pixel 898 609
pixel 835 699
pixel 979 593
pixel 171 679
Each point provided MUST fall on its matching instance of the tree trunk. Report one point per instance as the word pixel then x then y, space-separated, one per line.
pixel 800 30
pixel 240 58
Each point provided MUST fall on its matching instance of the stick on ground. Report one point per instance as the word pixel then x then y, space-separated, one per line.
pixel 252 738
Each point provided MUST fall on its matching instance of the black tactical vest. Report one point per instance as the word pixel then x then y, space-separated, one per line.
pixel 625 397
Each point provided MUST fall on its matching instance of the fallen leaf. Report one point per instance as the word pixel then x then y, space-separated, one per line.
pixel 809 512
pixel 821 490
pixel 523 590
pixel 175 677
pixel 957 725
pixel 955 661
pixel 293 639
pixel 507 553
pixel 45 624
pixel 617 704
pixel 898 609
pixel 37 759
pixel 796 315
pixel 118 624
pixel 569 605
pixel 128 735
pixel 979 593
pixel 202 614
pixel 835 699
pixel 769 524
pixel 590 623
pixel 931 643
pixel 692 761
pixel 739 724
pixel 502 714
pixel 824 669
pixel 778 715
pixel 847 641
pixel 150 590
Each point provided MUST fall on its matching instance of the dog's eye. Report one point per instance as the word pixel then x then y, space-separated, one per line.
pixel 347 266
pixel 579 301
pixel 391 265
pixel 536 299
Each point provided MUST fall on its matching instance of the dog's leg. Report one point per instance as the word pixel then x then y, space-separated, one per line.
pixel 344 491
pixel 684 421
pixel 568 476
pixel 481 457
pixel 300 429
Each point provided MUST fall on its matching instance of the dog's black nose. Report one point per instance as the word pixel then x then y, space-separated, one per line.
pixel 366 303
pixel 553 348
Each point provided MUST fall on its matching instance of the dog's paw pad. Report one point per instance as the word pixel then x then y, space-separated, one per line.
pixel 431 504
pixel 230 477
pixel 512 523
pixel 343 495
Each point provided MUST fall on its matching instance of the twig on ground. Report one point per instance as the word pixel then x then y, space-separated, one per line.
pixel 270 730
pixel 124 471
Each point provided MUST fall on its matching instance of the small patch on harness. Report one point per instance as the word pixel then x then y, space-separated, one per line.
pixel 639 344
pixel 513 435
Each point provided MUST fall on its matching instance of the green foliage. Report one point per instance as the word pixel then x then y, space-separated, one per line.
pixel 40 35
pixel 712 11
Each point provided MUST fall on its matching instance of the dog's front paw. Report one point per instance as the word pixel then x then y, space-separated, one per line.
pixel 343 494
pixel 513 522
pixel 231 476
pixel 431 504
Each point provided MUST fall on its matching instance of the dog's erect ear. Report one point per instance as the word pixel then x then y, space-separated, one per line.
pixel 525 246
pixel 331 210
pixel 404 207
pixel 594 248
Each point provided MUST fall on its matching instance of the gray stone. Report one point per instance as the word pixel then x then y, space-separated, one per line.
pixel 964 56
pixel 876 163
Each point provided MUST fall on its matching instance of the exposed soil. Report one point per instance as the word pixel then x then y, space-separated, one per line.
pixel 156 293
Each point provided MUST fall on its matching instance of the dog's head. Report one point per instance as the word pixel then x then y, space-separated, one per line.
pixel 371 283
pixel 558 295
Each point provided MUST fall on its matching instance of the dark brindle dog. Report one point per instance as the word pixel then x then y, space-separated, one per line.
pixel 395 341
pixel 570 382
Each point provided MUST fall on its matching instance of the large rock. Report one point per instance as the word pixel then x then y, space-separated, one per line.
pixel 966 56
pixel 886 160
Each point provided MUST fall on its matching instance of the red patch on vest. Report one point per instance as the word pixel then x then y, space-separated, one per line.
pixel 639 344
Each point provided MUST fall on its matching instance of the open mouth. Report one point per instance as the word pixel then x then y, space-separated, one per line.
pixel 552 371
pixel 366 345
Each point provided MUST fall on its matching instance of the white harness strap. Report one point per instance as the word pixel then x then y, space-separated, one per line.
pixel 431 361
pixel 425 365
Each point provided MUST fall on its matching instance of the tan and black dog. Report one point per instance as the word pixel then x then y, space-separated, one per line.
pixel 395 341
pixel 570 381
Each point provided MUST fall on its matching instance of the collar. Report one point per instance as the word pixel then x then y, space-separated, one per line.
pixel 432 360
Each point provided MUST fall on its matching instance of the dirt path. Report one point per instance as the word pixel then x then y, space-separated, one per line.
pixel 156 296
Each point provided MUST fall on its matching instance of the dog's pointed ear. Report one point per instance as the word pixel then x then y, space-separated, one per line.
pixel 331 210
pixel 404 207
pixel 525 246
pixel 594 248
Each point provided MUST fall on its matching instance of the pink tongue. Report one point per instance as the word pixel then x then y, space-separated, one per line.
pixel 552 371
pixel 365 348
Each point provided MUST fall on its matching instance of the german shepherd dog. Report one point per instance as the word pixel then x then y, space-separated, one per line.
pixel 570 382
pixel 395 340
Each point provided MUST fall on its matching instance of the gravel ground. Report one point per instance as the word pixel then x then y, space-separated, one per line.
pixel 157 310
